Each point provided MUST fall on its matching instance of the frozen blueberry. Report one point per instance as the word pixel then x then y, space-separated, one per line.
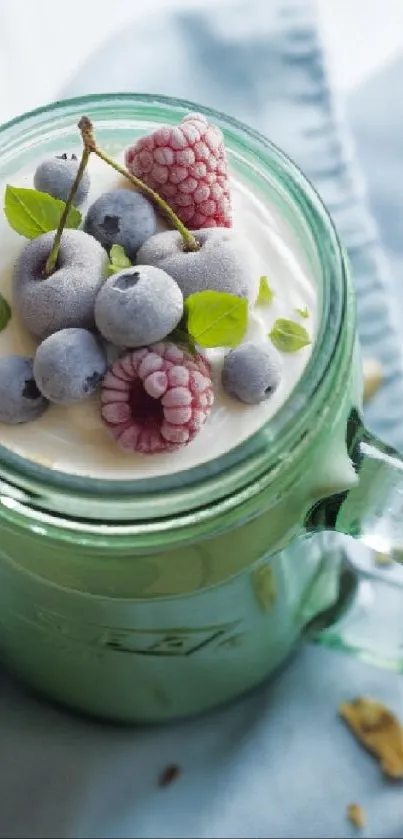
pixel 56 176
pixel 225 261
pixel 20 399
pixel 139 306
pixel 66 298
pixel 69 365
pixel 121 217
pixel 252 372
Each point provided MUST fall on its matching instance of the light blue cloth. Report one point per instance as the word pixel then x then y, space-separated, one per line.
pixel 278 763
pixel 375 113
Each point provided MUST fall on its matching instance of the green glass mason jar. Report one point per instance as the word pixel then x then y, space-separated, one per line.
pixel 154 599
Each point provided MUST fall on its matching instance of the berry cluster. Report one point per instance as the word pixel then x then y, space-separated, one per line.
pixel 158 394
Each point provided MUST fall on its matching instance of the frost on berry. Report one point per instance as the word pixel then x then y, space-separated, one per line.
pixel 156 399
pixel 187 165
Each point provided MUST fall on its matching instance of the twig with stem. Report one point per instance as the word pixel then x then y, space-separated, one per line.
pixel 84 126
pixel 190 243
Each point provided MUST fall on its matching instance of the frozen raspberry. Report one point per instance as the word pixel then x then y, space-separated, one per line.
pixel 186 164
pixel 156 399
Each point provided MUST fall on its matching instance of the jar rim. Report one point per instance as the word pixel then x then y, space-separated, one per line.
pixel 251 457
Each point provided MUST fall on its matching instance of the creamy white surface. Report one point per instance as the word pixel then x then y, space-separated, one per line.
pixel 73 439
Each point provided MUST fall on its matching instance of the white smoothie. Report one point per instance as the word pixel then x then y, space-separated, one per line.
pixel 74 440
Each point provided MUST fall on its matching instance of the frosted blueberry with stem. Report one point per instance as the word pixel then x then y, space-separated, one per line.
pixel 66 297
pixel 225 262
pixel 20 399
pixel 56 176
pixel 57 275
pixel 69 365
pixel 252 372
pixel 138 306
pixel 121 217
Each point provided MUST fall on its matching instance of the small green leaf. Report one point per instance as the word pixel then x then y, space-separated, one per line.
pixel 216 319
pixel 5 312
pixel 32 213
pixel 118 260
pixel 303 313
pixel 289 336
pixel 265 293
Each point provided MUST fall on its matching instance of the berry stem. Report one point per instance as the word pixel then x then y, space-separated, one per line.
pixel 190 243
pixel 54 253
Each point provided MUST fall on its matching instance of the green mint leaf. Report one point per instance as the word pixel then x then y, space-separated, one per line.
pixel 289 336
pixel 118 260
pixel 5 312
pixel 303 313
pixel 265 293
pixel 32 213
pixel 216 319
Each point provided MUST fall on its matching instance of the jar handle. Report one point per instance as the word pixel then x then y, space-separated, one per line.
pixel 365 619
pixel 372 510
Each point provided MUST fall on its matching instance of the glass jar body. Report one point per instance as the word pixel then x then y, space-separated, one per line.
pixel 131 629
pixel 147 636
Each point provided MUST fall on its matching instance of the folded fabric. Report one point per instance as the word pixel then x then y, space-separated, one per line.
pixel 377 129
